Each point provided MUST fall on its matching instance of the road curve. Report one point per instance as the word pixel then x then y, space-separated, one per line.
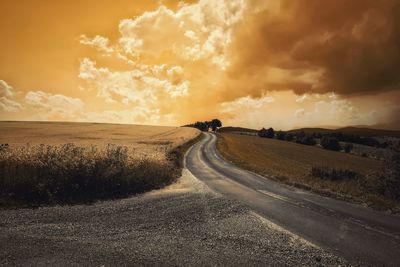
pixel 354 232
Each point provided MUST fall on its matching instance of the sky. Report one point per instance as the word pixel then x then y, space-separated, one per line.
pixel 252 63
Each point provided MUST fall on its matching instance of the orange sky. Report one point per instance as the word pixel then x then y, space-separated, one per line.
pixel 285 64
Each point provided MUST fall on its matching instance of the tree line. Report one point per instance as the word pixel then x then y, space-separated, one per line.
pixel 329 141
pixel 206 125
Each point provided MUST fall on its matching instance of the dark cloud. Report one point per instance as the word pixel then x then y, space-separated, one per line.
pixel 350 47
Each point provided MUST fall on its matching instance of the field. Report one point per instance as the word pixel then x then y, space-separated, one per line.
pixel 292 163
pixel 45 162
pixel 149 140
pixel 361 131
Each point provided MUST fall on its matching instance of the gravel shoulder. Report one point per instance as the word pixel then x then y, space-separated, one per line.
pixel 183 224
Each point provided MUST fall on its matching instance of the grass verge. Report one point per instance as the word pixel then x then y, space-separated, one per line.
pixel 32 176
pixel 329 173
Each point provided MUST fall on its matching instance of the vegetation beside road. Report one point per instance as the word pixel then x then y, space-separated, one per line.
pixel 41 174
pixel 327 172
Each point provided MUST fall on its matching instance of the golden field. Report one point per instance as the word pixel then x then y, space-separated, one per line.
pixel 152 141
pixel 291 163
pixel 66 163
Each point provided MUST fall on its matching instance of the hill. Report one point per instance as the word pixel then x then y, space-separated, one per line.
pixel 230 129
pixel 367 132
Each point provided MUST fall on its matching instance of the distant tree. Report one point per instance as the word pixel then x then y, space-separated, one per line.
pixel 202 126
pixel 289 137
pixel 300 135
pixel 262 132
pixel 348 147
pixel 307 140
pixel 270 133
pixel 215 124
pixel 206 125
pixel 280 135
pixel 330 143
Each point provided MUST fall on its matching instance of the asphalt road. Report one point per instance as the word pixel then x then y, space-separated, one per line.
pixel 359 234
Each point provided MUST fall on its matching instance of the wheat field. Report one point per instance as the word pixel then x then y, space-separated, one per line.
pixel 66 163
pixel 152 141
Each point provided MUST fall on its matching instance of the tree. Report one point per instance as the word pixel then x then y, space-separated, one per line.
pixel 215 124
pixel 206 125
pixel 280 135
pixel 270 133
pixel 330 143
pixel 289 137
pixel 202 126
pixel 348 147
pixel 307 140
pixel 262 132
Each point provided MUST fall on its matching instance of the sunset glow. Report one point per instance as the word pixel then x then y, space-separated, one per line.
pixel 251 63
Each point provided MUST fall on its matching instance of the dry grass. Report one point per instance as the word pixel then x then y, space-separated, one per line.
pixel 292 164
pixel 144 139
pixel 75 162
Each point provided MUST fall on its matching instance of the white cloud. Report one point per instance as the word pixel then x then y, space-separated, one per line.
pixel 247 103
pixel 285 110
pixel 50 106
pixel 138 116
pixel 299 113
pixel 302 98
pixel 5 89
pixel 6 95
pixel 143 86
pixel 99 42
pixel 193 32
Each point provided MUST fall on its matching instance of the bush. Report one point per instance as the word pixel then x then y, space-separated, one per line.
pixel 280 135
pixel 71 174
pixel 330 143
pixel 333 174
pixel 307 140
pixel 385 182
pixel 270 133
pixel 348 147
pixel 289 137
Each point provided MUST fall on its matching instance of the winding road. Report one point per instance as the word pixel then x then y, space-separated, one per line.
pixel 356 233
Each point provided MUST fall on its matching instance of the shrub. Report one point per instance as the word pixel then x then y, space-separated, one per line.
pixel 330 143
pixel 71 174
pixel 289 137
pixel 307 140
pixel 280 135
pixel 270 133
pixel 333 174
pixel 385 182
pixel 348 147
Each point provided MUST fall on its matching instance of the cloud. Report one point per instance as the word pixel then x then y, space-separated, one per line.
pixel 137 116
pixel 299 113
pixel 53 106
pixel 286 112
pixel 99 42
pixel 143 85
pixel 5 89
pixel 193 32
pixel 6 95
pixel 349 47
pixel 251 62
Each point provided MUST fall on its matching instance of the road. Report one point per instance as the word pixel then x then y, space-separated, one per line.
pixel 359 234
